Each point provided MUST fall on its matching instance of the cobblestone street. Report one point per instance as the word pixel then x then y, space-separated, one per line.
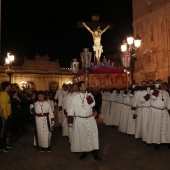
pixel 118 151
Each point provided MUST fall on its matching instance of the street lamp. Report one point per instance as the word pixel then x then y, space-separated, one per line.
pixel 130 48
pixel 8 61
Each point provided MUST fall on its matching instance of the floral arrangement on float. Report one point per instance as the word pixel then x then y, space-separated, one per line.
pixel 102 67
pixel 107 70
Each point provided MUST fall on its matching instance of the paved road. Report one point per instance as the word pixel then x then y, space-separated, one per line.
pixel 118 151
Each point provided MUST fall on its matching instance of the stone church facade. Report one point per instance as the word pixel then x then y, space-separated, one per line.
pixel 151 20
pixel 39 73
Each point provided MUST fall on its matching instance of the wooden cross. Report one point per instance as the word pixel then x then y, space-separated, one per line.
pixel 95 23
pixel 97 47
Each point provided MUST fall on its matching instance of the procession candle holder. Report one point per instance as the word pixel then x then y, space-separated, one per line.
pixel 86 59
pixel 86 62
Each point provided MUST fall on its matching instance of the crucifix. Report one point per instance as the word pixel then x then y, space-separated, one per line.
pixel 96 34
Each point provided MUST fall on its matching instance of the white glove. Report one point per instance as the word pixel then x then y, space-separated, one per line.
pixel 31 106
pixel 133 111
pixel 133 86
pixel 70 125
pixel 148 90
pixel 52 123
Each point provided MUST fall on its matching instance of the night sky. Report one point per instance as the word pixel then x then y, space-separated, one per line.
pixel 50 27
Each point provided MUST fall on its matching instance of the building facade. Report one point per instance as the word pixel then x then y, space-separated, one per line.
pixel 151 20
pixel 39 73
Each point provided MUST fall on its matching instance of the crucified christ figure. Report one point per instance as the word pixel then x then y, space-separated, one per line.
pixel 97 33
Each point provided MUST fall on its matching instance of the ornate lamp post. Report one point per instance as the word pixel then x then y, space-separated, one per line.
pixel 86 62
pixel 8 61
pixel 86 59
pixel 130 49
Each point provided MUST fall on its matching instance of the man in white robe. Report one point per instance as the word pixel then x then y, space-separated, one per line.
pixel 64 124
pixel 108 114
pixel 113 106
pixel 57 95
pixel 125 110
pixel 74 90
pixel 131 123
pixel 50 101
pixel 119 104
pixel 138 103
pixel 44 120
pixel 158 127
pixel 85 132
pixel 61 104
pixel 104 103
pixel 59 91
pixel 145 114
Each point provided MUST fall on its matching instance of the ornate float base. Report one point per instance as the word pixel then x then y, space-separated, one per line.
pixel 96 81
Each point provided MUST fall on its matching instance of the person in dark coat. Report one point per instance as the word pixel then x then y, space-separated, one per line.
pixel 16 111
pixel 98 99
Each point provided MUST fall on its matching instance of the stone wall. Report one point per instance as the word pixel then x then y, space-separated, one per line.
pixel 153 26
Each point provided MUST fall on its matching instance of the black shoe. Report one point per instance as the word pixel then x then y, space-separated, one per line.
pixel 156 146
pixel 168 146
pixel 83 156
pixel 6 150
pixel 97 157
pixel 48 149
pixel 42 150
pixel 2 149
pixel 9 146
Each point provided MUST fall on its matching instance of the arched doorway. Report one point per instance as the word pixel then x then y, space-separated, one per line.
pixel 53 85
pixel 31 85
